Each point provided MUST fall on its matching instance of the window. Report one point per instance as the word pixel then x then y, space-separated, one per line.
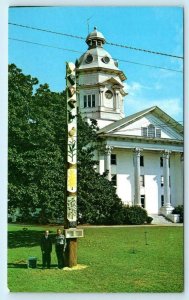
pixel 113 159
pixel 106 59
pixel 144 131
pixel 85 101
pixel 151 131
pixel 142 199
pixel 114 180
pixel 89 100
pixel 141 180
pixel 89 59
pixel 93 100
pixel 162 200
pixel 162 181
pixel 142 161
pixel 158 132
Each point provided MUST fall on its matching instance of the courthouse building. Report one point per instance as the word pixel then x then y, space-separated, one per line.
pixel 143 152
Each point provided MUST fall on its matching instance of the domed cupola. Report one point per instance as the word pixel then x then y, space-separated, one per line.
pixel 95 39
pixel 96 56
pixel 100 82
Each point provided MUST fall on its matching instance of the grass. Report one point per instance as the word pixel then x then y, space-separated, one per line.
pixel 117 259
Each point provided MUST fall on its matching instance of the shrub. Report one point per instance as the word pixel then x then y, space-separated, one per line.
pixel 134 215
pixel 149 220
pixel 180 211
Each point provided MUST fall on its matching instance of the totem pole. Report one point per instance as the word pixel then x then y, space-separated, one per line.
pixel 70 223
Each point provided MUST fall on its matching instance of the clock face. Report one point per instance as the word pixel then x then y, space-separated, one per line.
pixel 108 94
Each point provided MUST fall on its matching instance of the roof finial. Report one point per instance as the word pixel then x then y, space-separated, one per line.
pixel 95 28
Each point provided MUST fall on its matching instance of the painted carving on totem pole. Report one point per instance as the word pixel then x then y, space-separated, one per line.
pixel 72 145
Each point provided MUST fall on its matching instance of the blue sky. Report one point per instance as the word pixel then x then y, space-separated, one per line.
pixel 157 28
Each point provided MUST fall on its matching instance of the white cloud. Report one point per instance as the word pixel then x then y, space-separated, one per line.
pixel 171 106
pixel 134 88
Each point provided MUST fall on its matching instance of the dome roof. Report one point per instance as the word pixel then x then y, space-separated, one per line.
pixel 97 57
pixel 96 35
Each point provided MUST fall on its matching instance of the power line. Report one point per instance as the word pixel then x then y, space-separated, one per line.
pixel 144 50
pixel 152 66
pixel 44 45
pixel 71 50
pixel 109 43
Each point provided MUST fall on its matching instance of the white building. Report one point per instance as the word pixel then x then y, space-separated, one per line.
pixel 142 152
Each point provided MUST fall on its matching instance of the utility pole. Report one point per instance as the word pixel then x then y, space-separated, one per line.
pixel 70 224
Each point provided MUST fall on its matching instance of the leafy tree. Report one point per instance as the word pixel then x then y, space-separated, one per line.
pixel 37 156
pixel 36 146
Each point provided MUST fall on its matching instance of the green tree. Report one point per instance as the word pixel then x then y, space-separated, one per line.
pixel 37 136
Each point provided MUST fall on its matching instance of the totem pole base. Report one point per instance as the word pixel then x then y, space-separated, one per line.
pixel 71 253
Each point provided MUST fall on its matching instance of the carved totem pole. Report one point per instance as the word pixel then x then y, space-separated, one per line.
pixel 70 223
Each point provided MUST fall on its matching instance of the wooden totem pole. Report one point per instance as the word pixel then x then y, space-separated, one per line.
pixel 70 225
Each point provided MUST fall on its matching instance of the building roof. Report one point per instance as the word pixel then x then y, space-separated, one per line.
pixel 95 35
pixel 109 129
pixel 97 57
pixel 97 54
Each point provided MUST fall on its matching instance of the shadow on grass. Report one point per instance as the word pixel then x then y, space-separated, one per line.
pixel 26 238
pixel 25 266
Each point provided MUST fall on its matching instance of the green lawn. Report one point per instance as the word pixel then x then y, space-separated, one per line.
pixel 118 259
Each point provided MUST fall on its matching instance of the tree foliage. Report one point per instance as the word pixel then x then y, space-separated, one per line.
pixel 36 145
pixel 37 156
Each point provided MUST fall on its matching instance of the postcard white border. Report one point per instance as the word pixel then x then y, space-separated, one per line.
pixel 4 4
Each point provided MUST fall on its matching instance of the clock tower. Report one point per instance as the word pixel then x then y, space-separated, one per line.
pixel 101 93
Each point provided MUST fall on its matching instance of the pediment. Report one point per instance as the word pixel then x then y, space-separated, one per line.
pixel 150 123
pixel 113 82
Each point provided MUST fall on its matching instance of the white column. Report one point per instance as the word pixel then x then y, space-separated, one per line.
pixel 137 200
pixel 167 208
pixel 101 167
pixel 166 174
pixel 182 178
pixel 117 100
pixel 101 102
pixel 107 161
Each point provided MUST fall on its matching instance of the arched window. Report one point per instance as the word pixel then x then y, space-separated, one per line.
pixel 151 130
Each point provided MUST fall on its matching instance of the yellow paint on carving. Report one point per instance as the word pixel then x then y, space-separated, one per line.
pixel 72 179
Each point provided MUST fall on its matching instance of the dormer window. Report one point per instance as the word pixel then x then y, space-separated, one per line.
pixel 89 59
pixel 151 131
pixel 106 59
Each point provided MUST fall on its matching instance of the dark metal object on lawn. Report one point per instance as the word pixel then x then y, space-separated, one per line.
pixel 32 262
